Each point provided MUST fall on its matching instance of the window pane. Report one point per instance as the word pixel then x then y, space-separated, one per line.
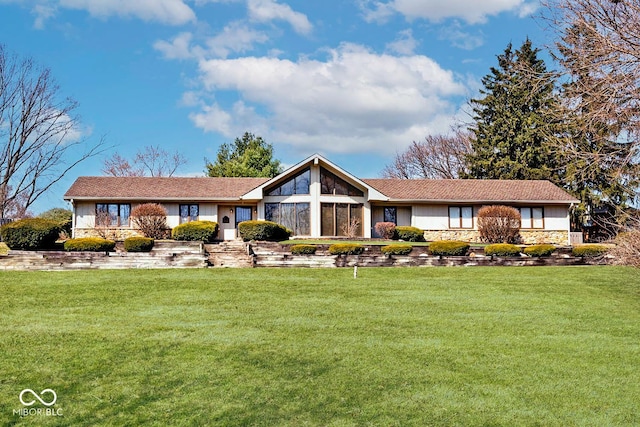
pixel 391 215
pixel 353 191
pixel 342 219
pixel 341 187
pixel 272 212
pixel 326 182
pixel 288 188
pixel 525 217
pixel 454 217
pixel 356 213
pixel 327 220
pixel 194 212
pixel 467 217
pixel 288 215
pixel 302 182
pixel 538 222
pixel 125 209
pixel 184 213
pixel 304 219
pixel 113 215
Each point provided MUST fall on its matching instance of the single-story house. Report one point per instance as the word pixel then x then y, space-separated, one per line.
pixel 316 198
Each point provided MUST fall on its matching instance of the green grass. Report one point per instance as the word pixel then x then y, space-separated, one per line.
pixel 292 347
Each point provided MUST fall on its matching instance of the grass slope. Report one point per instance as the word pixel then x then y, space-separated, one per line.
pixel 396 347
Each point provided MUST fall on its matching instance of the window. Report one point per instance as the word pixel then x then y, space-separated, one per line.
pixel 460 217
pixel 391 214
pixel 113 214
pixel 531 217
pixel 189 213
pixel 295 216
pixel 331 184
pixel 337 218
pixel 299 184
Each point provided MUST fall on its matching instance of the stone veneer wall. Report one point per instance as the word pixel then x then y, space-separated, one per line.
pixel 529 237
pixel 112 233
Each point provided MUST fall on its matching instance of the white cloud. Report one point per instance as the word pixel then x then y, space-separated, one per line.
pixel 354 101
pixel 471 11
pixel 269 10
pixel 173 12
pixel 460 38
pixel 405 44
pixel 42 12
pixel 178 48
pixel 235 38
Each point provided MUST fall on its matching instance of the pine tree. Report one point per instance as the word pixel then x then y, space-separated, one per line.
pixel 513 120
pixel 248 156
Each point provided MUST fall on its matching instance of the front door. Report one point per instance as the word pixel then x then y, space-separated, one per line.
pixel 243 213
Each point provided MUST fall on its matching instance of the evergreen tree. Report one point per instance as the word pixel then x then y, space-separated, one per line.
pixel 248 156
pixel 513 120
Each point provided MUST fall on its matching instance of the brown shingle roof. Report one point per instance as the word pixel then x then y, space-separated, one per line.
pixel 470 190
pixel 148 188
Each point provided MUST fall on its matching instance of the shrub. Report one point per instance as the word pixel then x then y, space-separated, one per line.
pixel 397 249
pixel 539 250
pixel 263 230
pixel 346 249
pixel 589 250
pixel 63 216
pixel 385 230
pixel 89 244
pixel 409 234
pixel 31 234
pixel 150 219
pixel 303 249
pixel 502 249
pixel 138 244
pixel 448 248
pixel 499 224
pixel 205 231
pixel 627 249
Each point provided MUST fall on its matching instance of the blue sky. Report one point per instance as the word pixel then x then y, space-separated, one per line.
pixel 354 80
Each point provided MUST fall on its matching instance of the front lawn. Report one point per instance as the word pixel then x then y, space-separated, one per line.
pixel 542 346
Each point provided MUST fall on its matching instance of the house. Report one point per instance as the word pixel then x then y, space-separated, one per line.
pixel 316 198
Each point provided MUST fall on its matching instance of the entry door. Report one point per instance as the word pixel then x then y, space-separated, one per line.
pixel 243 213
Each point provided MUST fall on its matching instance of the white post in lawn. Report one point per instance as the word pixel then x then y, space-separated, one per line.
pixel 355 271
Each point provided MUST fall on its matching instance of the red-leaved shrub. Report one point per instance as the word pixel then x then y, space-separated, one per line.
pixel 499 224
pixel 386 230
pixel 150 219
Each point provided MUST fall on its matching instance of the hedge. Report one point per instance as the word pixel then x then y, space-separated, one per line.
pixel 303 249
pixel 409 234
pixel 448 248
pixel 205 231
pixel 502 249
pixel 539 250
pixel 89 244
pixel 346 249
pixel 263 230
pixel 138 244
pixel 31 234
pixel 396 249
pixel 589 250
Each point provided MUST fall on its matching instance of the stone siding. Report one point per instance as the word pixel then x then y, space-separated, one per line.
pixel 529 237
pixel 111 233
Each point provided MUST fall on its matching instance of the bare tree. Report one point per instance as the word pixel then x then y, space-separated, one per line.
pixel 40 137
pixel 598 48
pixel 149 161
pixel 438 156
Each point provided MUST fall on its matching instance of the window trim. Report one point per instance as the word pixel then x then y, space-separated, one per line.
pixel 458 222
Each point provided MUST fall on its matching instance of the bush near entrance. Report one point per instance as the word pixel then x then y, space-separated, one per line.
pixel 502 249
pixel 263 230
pixel 589 250
pixel 409 234
pixel 205 231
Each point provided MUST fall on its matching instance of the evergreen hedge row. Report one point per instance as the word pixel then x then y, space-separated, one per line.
pixel 205 231
pixel 89 244
pixel 31 234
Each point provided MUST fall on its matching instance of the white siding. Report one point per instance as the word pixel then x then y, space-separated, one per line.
pixel 556 218
pixel 431 217
pixel 85 214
